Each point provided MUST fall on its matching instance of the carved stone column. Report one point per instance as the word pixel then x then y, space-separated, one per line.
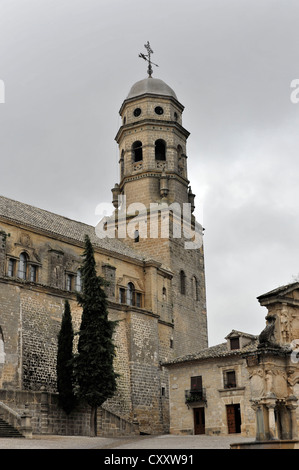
pixel 259 415
pixel 291 403
pixel 272 426
pixel 26 427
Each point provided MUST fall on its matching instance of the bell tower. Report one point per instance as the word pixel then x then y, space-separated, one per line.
pixel 152 143
pixel 153 180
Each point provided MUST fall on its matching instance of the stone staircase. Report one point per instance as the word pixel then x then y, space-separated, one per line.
pixel 6 430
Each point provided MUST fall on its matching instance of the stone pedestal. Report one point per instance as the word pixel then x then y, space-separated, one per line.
pixel 26 427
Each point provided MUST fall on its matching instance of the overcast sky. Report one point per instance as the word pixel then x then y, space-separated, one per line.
pixel 67 66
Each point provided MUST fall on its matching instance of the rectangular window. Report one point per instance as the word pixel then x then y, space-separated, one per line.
pixel 196 383
pixel 230 379
pixel 69 282
pixel 235 343
pixel 122 295
pixel 11 267
pixel 138 299
pixel 79 281
pixel 33 273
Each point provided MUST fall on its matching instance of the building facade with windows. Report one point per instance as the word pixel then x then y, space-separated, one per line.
pixel 156 286
pixel 210 390
pixel 248 385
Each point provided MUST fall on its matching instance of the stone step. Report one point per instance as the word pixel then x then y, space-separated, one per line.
pixel 6 430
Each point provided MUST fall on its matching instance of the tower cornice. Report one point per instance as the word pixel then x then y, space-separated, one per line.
pixel 144 122
pixel 152 174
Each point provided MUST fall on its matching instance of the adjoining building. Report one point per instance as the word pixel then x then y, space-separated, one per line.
pixel 210 390
pixel 248 385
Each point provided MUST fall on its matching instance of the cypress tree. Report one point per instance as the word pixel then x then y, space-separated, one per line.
pixel 95 376
pixel 64 365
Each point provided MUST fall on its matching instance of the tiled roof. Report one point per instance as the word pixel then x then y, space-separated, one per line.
pixel 57 225
pixel 219 350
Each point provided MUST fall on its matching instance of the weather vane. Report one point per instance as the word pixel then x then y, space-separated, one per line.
pixel 147 57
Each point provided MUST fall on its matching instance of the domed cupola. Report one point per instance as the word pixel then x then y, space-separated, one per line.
pixel 151 86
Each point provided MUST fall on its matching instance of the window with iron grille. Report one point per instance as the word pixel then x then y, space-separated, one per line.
pixel 230 379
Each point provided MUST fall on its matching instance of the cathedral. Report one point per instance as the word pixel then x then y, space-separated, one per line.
pixel 147 251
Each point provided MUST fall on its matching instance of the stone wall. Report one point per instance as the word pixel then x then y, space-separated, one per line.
pixel 145 336
pixel 48 418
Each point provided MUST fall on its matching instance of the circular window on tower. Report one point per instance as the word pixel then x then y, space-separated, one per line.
pixel 137 112
pixel 159 110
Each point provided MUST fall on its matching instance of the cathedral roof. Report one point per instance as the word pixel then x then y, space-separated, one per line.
pixel 59 226
pixel 153 86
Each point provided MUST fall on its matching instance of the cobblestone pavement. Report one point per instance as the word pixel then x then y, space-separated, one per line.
pixel 138 442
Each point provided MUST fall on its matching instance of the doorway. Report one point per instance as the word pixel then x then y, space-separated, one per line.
pixel 233 414
pixel 199 420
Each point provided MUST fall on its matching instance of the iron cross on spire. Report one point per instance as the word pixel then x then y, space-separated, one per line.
pixel 147 57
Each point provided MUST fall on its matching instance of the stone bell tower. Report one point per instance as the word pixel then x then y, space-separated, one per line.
pixel 154 184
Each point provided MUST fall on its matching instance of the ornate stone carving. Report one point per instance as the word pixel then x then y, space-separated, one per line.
pixel 267 337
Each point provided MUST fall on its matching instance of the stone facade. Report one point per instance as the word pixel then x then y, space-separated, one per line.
pixel 31 313
pixel 158 319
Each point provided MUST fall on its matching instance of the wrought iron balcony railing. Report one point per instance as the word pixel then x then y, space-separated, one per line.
pixel 192 396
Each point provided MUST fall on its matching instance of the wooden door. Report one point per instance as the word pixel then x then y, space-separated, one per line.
pixel 199 420
pixel 231 422
pixel 233 418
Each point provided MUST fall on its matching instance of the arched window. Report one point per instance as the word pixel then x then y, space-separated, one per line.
pixel 22 272
pixel 137 151
pixel 130 293
pixel 2 352
pixel 195 288
pixel 160 150
pixel 182 282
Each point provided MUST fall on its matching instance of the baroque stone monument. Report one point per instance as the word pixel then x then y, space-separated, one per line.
pixel 274 371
